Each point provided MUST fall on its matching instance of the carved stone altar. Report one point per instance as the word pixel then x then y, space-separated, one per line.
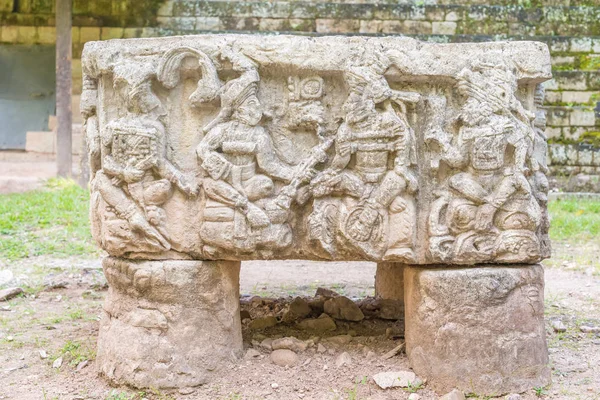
pixel 237 147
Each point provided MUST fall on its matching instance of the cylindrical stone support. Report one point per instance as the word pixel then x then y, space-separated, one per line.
pixel 169 324
pixel 389 281
pixel 478 329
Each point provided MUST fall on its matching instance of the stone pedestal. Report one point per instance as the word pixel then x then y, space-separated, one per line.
pixel 389 281
pixel 169 324
pixel 480 330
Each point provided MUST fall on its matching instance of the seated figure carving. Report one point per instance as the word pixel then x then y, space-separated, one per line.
pixel 135 177
pixel 239 213
pixel 363 200
pixel 487 212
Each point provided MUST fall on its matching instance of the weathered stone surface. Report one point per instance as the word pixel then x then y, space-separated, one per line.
pixel 237 147
pixel 297 309
pixel 169 324
pixel 341 307
pixel 290 343
pixel 477 329
pixel 9 293
pixel 284 357
pixel 263 323
pixel 332 148
pixel 321 324
pixel 386 380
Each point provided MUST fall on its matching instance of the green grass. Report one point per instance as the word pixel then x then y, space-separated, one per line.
pixel 51 221
pixel 574 220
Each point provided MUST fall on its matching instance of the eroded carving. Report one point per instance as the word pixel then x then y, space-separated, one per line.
pixel 238 147
pixel 487 210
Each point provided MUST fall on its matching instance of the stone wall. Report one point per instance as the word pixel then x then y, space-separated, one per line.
pixel 570 28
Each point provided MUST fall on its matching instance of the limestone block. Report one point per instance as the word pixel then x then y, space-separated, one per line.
pixel 387 149
pixel 169 324
pixel 480 330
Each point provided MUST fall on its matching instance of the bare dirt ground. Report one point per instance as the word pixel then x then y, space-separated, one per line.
pixel 58 319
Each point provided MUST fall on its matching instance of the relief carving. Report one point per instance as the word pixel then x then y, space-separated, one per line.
pixel 487 210
pixel 238 147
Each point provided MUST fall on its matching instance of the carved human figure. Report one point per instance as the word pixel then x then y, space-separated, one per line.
pixel 376 211
pixel 239 214
pixel 488 210
pixel 135 178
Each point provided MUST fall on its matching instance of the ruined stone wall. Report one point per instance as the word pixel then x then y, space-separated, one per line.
pixel 571 28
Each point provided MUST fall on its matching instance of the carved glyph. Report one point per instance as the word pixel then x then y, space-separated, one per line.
pixel 246 147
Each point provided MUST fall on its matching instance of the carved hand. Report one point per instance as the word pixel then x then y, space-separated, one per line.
pixel 132 174
pixel 188 187
pixel 257 217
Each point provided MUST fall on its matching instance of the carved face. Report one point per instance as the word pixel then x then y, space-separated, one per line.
pixel 250 111
pixel 487 153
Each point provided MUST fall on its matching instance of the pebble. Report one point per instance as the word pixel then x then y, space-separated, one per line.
pixel 340 339
pixel 274 385
pixel 391 379
pixel 266 344
pixel 558 326
pixel 321 324
pixel 43 354
pixel 513 396
pixel 57 363
pixel 321 349
pixel 251 354
pixel 589 329
pixel 290 343
pixel 263 323
pixel 341 307
pixel 453 395
pixel 414 396
pixel 82 365
pixel 284 357
pixel 9 293
pixel 343 359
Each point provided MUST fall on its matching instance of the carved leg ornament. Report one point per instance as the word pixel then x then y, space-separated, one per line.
pixel 169 324
pixel 480 330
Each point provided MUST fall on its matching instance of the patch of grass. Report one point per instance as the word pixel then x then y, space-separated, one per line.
pixel 574 220
pixel 75 352
pixel 52 221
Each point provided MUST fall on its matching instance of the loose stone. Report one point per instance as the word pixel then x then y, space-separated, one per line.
pixel 290 343
pixel 284 357
pixel 341 307
pixel 7 294
pixel 386 380
pixel 251 354
pixel 297 309
pixel 321 349
pixel 263 323
pixel 513 396
pixel 589 329
pixel 340 339
pixel 414 396
pixel 558 326
pixel 321 324
pixel 343 359
pixel 455 394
